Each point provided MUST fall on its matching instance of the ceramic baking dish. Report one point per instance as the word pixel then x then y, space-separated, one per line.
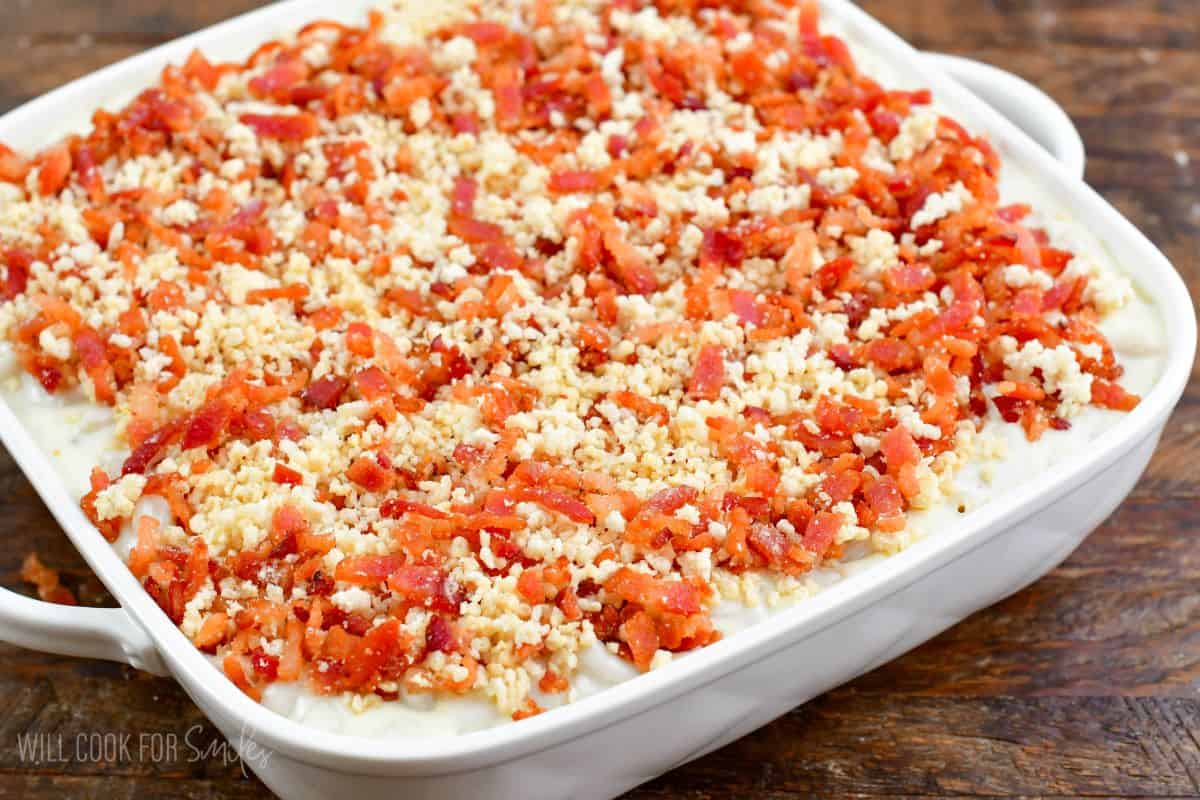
pixel 607 743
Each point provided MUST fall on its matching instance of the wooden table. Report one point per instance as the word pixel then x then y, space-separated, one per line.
pixel 1083 685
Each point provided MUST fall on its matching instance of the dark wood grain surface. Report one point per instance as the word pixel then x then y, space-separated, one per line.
pixel 1085 684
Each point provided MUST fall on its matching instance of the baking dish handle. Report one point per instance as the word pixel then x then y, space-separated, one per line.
pixel 1025 105
pixel 106 633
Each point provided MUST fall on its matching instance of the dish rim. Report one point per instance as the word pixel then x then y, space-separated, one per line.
pixel 466 751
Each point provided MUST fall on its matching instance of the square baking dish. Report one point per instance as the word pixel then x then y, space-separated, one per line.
pixel 605 744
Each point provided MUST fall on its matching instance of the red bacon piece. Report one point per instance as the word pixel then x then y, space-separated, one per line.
pixel 368 473
pixel 13 167
pixel 423 585
pixel 746 307
pixel 17 263
pixel 277 81
pixel 54 167
pixel 368 570
pixel 395 508
pixel 669 500
pixel 462 198
pixel 439 636
pixel 286 475
pixel 821 531
pixel 722 249
pixel 708 374
pixel 93 354
pixel 641 635
pixel 570 507
pixel 284 127
pixel 207 425
pixel 1111 395
pixel 324 393
pixel 655 594
pixel 151 449
pixel 575 181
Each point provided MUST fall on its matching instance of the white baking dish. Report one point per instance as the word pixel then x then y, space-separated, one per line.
pixel 607 743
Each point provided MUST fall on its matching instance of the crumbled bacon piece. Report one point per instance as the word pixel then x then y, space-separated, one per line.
pixel 325 393
pixel 285 127
pixel 708 375
pixel 46 581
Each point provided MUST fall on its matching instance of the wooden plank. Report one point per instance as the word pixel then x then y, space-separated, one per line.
pixel 846 743
pixel 23 787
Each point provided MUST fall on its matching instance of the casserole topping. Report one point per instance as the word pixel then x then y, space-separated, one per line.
pixel 457 345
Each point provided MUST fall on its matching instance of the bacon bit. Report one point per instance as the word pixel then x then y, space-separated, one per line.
pixel 842 485
pixel 439 636
pixel 265 665
pixel 597 95
pixel 278 80
pixel 570 507
pixel 722 249
pixel 369 570
pixel 899 449
pixel 643 408
pixel 530 586
pixel 909 279
pixel 17 263
pixel 144 553
pixel 655 595
pixel 627 264
pixel 13 168
pixel 708 375
pixel 367 473
pixel 820 533
pixel 746 307
pixel 641 635
pixel 576 181
pixel 670 500
pixel 46 581
pixel 110 529
pixel 594 344
pixel 293 293
pixel 200 70
pixel 396 508
pixel 425 586
pixel 769 542
pixel 831 275
pixel 529 709
pixel 325 393
pixel 208 425
pixel 236 672
pixel 212 632
pixel 462 198
pixel 891 355
pixel 93 355
pixel 464 123
pixel 553 683
pixel 886 501
pixel 286 475
pixel 148 453
pixel 54 167
pixel 1111 395
pixel 360 339
pixel 285 127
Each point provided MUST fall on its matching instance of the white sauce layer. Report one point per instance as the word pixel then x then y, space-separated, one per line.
pixel 76 436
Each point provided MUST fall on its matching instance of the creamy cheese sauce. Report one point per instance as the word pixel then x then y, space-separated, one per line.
pixel 76 435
